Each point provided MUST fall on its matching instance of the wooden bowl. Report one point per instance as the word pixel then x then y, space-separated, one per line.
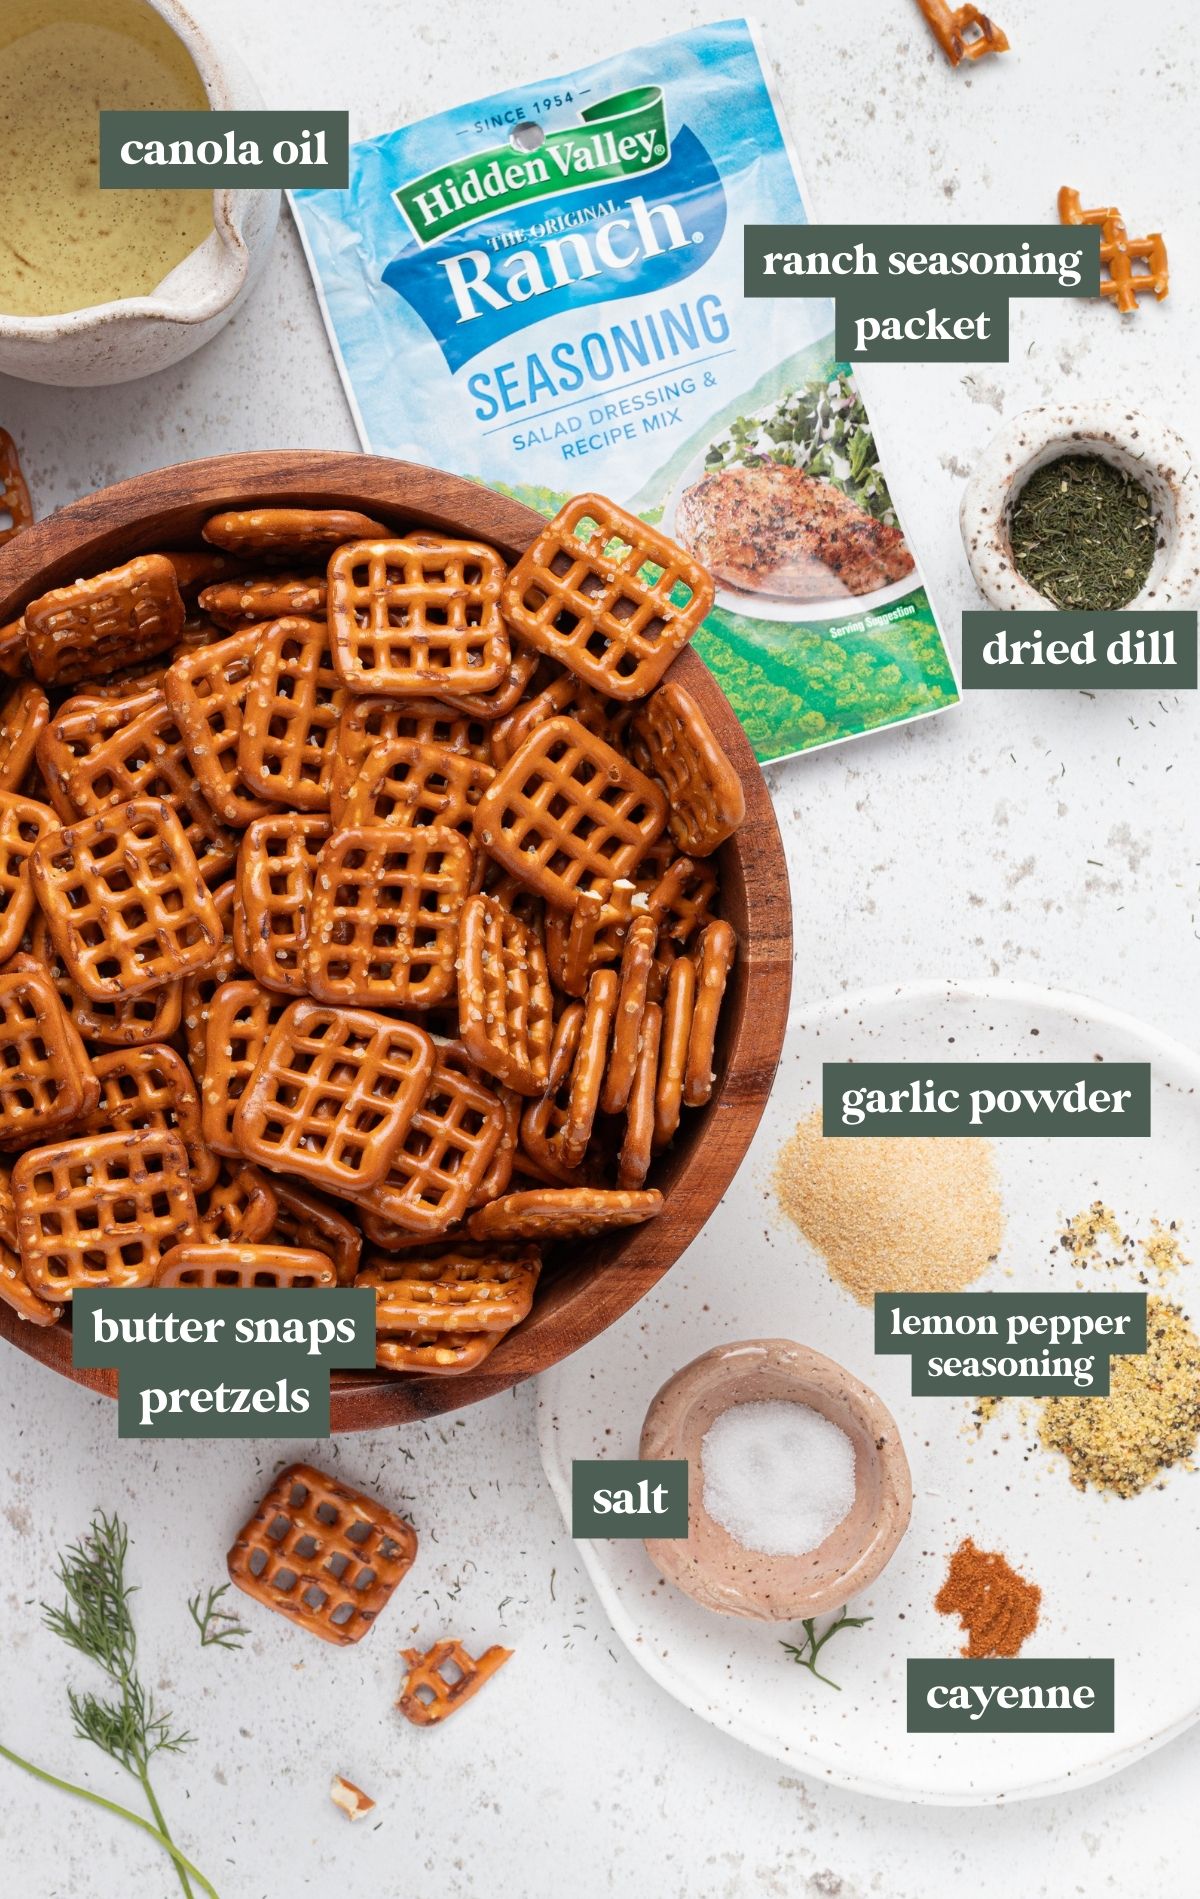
pixel 604 1277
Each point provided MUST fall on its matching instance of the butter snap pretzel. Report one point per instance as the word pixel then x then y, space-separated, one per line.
pixel 293 703
pixel 288 532
pixel 334 905
pixel 385 915
pixel 124 900
pixel 115 619
pixel 673 742
pixel 962 32
pixel 101 1211
pixel 333 1094
pixel 417 616
pixel 598 591
pixel 546 1213
pixel 212 1266
pixel 568 814
pixel 429 1694
pixel 14 489
pixel 505 1005
pixel 326 1556
pixel 277 869
pixel 237 604
pixel 24 715
pixel 206 690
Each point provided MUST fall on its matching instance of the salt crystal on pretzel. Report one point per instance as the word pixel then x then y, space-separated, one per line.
pixel 600 592
pixel 118 618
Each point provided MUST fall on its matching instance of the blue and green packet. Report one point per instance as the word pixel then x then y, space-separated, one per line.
pixel 544 291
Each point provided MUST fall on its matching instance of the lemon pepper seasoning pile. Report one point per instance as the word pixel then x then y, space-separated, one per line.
pixel 1150 1419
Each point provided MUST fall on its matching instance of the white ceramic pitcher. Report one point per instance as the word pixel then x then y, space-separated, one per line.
pixel 115 342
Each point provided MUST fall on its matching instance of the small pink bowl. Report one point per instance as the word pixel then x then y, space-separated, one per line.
pixel 720 1573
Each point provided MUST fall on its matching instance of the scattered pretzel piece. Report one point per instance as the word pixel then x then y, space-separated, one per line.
pixel 324 1555
pixel 1119 253
pixel 429 1694
pixel 349 1799
pixel 962 32
pixel 546 1213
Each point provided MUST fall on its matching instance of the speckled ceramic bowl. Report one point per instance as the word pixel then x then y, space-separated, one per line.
pixel 710 1565
pixel 1152 452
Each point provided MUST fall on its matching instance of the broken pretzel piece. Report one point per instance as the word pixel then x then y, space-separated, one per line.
pixel 349 1799
pixel 429 1694
pixel 962 32
pixel 1119 253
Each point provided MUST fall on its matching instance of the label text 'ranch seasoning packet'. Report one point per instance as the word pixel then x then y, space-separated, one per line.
pixel 545 290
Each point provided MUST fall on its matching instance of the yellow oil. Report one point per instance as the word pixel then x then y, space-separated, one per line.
pixel 64 243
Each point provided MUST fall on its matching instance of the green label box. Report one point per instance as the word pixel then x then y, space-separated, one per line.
pixel 1011 1697
pixel 624 1497
pixel 1010 1344
pixel 1124 651
pixel 194 1363
pixel 1065 1099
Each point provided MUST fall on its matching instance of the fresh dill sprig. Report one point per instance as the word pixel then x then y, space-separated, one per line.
pixel 97 1621
pixel 210 1619
pixel 808 1650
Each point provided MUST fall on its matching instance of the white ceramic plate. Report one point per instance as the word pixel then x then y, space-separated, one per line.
pixel 782 607
pixel 1117 1574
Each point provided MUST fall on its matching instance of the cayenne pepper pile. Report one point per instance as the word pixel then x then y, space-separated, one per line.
pixel 997 1608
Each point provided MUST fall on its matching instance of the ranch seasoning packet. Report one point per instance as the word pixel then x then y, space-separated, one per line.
pixel 544 290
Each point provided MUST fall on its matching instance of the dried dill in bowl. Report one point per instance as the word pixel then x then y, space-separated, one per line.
pixel 1083 533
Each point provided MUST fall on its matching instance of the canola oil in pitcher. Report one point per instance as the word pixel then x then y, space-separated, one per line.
pixel 64 243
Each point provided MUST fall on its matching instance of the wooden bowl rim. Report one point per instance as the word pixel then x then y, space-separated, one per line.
pixel 143 512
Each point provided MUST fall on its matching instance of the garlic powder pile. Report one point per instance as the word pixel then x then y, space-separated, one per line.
pixel 893 1215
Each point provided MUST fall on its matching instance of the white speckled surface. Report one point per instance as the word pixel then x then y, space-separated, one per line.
pixel 1049 837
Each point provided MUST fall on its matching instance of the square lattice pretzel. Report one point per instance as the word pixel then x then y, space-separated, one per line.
pixel 212 1264
pixel 445 1153
pixel 290 719
pixel 277 868
pixel 505 1003
pixel 102 1211
pixel 46 1080
pixel 241 1016
pixel 115 619
pixel 22 822
pixel 322 1554
pixel 671 738
pixel 124 900
pixel 206 690
pixel 333 1095
pixel 403 781
pixel 147 758
pixel 596 591
pixel 371 720
pixel 385 915
pixel 151 1087
pixel 417 616
pixel 568 814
